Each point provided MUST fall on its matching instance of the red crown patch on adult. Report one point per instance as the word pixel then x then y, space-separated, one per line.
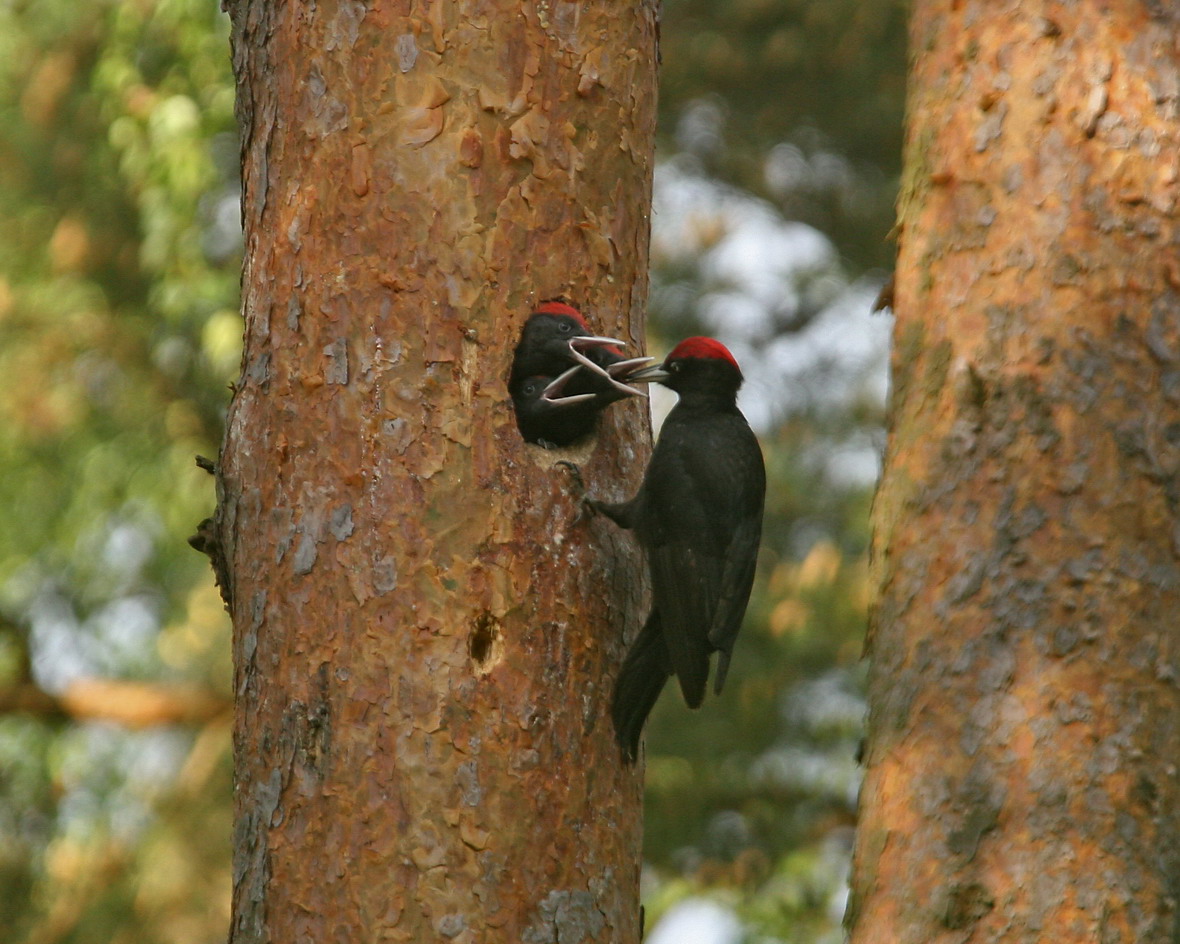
pixel 703 348
pixel 561 308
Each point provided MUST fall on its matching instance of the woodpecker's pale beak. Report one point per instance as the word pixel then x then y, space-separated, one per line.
pixel 656 373
pixel 622 368
pixel 552 393
pixel 610 373
pixel 589 340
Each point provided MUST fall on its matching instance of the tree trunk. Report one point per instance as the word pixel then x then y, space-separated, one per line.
pixel 424 637
pixel 1024 735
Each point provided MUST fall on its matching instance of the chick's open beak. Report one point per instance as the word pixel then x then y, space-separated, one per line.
pixel 552 393
pixel 612 372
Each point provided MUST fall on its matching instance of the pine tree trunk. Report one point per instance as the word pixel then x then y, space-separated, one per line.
pixel 424 637
pixel 1024 712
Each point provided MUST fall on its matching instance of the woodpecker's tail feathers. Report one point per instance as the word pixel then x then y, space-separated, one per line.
pixel 640 681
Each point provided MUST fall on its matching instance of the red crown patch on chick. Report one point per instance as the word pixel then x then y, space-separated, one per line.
pixel 561 308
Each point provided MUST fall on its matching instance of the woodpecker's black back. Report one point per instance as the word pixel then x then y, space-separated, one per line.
pixel 698 515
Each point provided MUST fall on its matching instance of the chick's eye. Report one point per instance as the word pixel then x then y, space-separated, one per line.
pixel 529 389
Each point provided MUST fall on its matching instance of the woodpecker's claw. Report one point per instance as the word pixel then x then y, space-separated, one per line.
pixel 575 474
pixel 552 393
pixel 586 505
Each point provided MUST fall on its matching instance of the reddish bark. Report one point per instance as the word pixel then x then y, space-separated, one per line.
pixel 1021 781
pixel 424 638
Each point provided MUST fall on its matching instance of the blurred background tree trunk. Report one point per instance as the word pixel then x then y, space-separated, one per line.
pixel 779 143
pixel 424 639
pixel 1021 780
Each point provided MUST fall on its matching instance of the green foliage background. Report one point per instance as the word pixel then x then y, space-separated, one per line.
pixel 119 332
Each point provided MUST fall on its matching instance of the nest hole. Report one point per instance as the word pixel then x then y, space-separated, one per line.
pixel 484 643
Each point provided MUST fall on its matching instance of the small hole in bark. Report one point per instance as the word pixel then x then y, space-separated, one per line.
pixel 484 643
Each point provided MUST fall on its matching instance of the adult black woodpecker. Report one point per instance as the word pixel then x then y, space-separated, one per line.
pixel 698 517
pixel 583 374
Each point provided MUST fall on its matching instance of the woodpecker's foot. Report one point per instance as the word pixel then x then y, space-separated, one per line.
pixel 578 491
pixel 575 473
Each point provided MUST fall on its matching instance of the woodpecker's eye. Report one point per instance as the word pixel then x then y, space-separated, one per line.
pixel 674 366
pixel 564 327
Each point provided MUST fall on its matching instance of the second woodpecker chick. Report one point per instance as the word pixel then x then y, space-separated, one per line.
pixel 698 516
pixel 547 417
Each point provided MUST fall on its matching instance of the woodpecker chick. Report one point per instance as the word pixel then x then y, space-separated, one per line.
pixel 698 516
pixel 581 371
pixel 547 417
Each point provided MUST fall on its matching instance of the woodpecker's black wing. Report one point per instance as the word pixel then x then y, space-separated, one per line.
pixel 736 583
pixel 684 585
pixel 741 556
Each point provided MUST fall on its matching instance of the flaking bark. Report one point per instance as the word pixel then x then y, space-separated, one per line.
pixel 1021 782
pixel 424 639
